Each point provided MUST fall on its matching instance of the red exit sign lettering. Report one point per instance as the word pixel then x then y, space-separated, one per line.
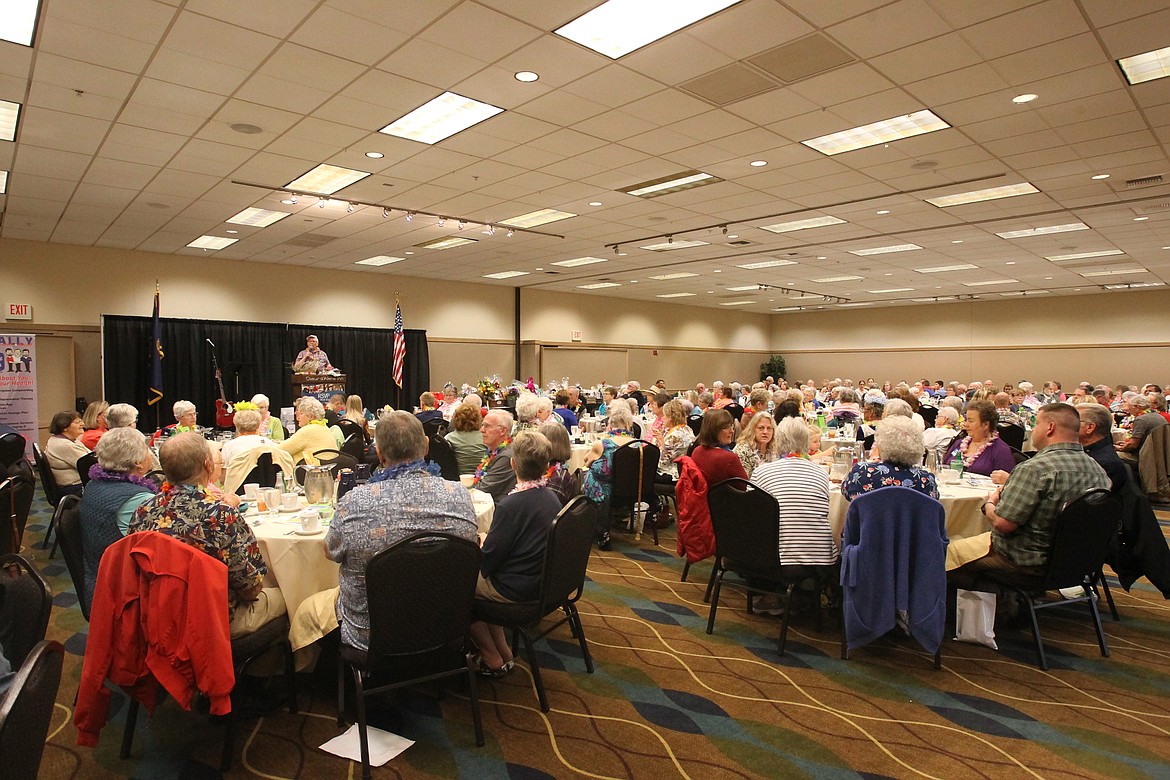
pixel 19 311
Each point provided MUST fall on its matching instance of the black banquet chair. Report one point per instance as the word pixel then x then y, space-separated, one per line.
pixel 84 463
pixel 68 519
pixel 635 465
pixel 52 491
pixel 562 580
pixel 420 594
pixel 25 604
pixel 1012 435
pixel 27 710
pixel 439 451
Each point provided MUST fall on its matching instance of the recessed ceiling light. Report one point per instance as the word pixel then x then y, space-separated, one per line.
pixel 257 217
pixel 1026 98
pixel 676 295
pixel 733 235
pixel 3 182
pixel 534 218
pixel 957 241
pixel 671 245
pixel 595 203
pixel 598 285
pixel 288 202
pixel 765 264
pixel 379 260
pixel 882 132
pixel 18 21
pixel 1084 255
pixel 580 261
pixel 668 184
pixel 505 274
pixel 832 279
pixel 1010 262
pixel 821 257
pixel 1146 67
pixel 802 224
pixel 621 254
pixel 526 76
pixel 978 196
pixel 212 242
pixel 677 275
pixel 884 211
pixel 246 129
pixel 1023 293
pixel 618 27
pixel 736 303
pixel 938 269
pixel 1115 272
pixel 1044 231
pixel 1140 219
pixel 9 114
pixel 326 179
pixel 375 155
pixel 440 118
pixel 233 232
pixel 758 163
pixel 717 271
pixel 1100 176
pixel 885 250
pixel 891 290
pixel 986 282
pixel 446 243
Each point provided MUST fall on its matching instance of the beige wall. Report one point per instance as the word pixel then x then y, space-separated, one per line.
pixel 1111 338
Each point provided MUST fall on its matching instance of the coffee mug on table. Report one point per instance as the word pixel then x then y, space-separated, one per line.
pixel 252 491
pixel 288 501
pixel 310 521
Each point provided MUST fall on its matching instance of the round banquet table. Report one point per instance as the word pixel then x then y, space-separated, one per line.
pixel 577 458
pixel 961 503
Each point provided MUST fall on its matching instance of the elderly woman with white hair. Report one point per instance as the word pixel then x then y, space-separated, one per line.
pixel 946 428
pixel 900 443
pixel 116 488
pixel 314 433
pixel 248 435
pixel 527 410
pixel 597 485
pixel 186 419
pixel 269 426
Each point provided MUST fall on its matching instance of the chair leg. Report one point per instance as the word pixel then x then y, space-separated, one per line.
pixel 229 742
pixel 473 694
pixel 49 531
pixel 1109 597
pixel 579 630
pixel 56 540
pixel 128 733
pixel 938 659
pixel 718 581
pixel 290 677
pixel 359 696
pixel 1097 625
pixel 340 693
pixel 710 583
pixel 686 570
pixel 784 618
pixel 534 667
pixel 1035 631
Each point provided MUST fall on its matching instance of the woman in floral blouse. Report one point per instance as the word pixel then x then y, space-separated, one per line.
pixel 900 443
pixel 677 437
pixel 757 442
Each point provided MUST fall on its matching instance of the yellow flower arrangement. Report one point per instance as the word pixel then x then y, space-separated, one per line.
pixel 245 405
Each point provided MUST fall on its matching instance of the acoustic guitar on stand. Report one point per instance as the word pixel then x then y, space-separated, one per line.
pixel 225 415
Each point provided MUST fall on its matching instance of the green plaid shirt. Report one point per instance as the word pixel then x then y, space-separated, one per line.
pixel 1036 493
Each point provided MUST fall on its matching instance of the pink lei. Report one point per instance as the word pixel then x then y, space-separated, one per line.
pixel 970 457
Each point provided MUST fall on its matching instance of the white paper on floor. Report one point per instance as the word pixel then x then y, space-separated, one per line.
pixel 383 745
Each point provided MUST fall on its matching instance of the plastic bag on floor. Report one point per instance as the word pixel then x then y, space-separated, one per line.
pixel 975 617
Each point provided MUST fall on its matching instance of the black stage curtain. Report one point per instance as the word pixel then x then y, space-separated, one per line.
pixel 254 358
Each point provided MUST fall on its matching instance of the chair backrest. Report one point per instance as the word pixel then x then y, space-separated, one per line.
pixel 929 414
pixel 1153 465
pixel 1012 435
pixel 48 481
pixel 1082 537
pixel 15 503
pixel 735 410
pixel 437 427
pixel 349 428
pixel 25 603
pixel 570 540
pixel 11 449
pixel 262 474
pixel 68 521
pixel 157 477
pixel 440 452
pixel 420 591
pixel 27 710
pixel 354 445
pixel 635 464
pixel 746 522
pixel 336 457
pixel 695 423
pixel 84 463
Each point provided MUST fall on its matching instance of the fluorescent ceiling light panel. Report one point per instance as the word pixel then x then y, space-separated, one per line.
pixel 676 295
pixel 9 114
pixel 891 290
pixel 736 303
pixel 598 285
pixel 576 261
pixel 1084 255
pixel 882 132
pixel 668 184
pixel 326 179
pixel 986 282
pixel 885 250
pixel 212 242
pixel 766 264
pixel 618 27
pixel 505 274
pixel 802 224
pixel 667 246
pixel 788 308
pixel 440 118
pixel 744 288
pixel 933 300
pixel 978 196
pixel 848 305
pixel 534 218
pixel 257 217
pixel 18 21
pixel 831 279
pixel 1044 231
pixel 380 260
pixel 446 243
pixel 938 269
pixel 678 275
pixel 3 182
pixel 1115 272
pixel 1132 285
pixel 1146 67
pixel 1024 293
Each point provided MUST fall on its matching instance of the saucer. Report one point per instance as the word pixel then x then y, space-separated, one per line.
pixel 303 532
pixel 286 510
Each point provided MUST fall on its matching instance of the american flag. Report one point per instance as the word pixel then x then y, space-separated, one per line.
pixel 399 344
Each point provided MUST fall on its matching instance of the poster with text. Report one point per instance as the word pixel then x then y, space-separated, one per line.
pixel 18 386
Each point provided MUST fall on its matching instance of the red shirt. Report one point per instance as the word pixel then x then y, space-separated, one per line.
pixel 718 464
pixel 90 437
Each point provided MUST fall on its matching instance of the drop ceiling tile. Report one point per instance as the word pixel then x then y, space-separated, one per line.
pixel 614 126
pixel 619 85
pixel 284 95
pixel 842 85
pixel 891 27
pixel 74 74
pixel 1135 36
pixel 667 107
pixel 457 26
pixel 67 100
pixel 102 195
pixel 824 14
pixel 272 122
pixel 199 156
pixel 676 58
pixel 82 42
pixel 54 130
pixel 560 108
pixel 748 28
pixel 934 57
pixel 218 41
pixel 961 13
pixel 311 68
pixel 527 157
pixel 153 94
pixel 42 187
pixel 188 70
pixel 1026 28
pixel 329 29
pixel 182 183
pixel 557 61
pixel 958 85
pixel 498 87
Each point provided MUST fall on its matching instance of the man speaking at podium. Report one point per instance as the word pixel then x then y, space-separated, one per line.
pixel 312 359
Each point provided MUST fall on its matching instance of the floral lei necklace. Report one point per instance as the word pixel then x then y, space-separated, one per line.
pixel 319 421
pixel 393 472
pixel 971 457
pixel 614 432
pixel 794 455
pixel 483 464
pixel 528 484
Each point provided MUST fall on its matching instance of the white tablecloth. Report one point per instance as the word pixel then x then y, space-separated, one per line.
pixel 577 458
pixel 961 502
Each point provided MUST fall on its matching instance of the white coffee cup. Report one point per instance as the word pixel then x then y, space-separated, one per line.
pixel 310 521
pixel 467 480
pixel 252 491
pixel 948 476
pixel 288 501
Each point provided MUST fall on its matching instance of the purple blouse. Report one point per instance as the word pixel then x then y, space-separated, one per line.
pixel 997 457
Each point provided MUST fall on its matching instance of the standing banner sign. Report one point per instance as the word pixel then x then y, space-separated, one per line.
pixel 18 386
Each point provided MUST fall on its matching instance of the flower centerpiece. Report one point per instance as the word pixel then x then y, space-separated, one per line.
pixel 241 406
pixel 488 387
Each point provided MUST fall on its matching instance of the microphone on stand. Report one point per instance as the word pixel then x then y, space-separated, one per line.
pixel 212 343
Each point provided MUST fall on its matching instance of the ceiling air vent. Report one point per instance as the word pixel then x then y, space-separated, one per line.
pixel 1144 181
pixel 310 240
pixel 802 58
pixel 741 243
pixel 727 85
pixel 1160 207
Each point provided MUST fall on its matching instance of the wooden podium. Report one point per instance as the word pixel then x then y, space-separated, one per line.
pixel 319 386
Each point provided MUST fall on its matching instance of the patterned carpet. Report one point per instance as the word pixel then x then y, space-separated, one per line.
pixel 667 700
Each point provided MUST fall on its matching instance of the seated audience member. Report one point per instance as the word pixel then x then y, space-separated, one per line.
pixel 607 396
pixel 314 433
pixel 429 408
pixel 846 409
pixel 95 423
pixel 896 398
pixel 116 489
pixel 184 510
pixel 1144 421
pixel 981 450
pixel 658 424
pixel 513 552
pixel 757 402
pixel 527 412
pixel 122 416
pixel 408 495
pixel 677 438
pixel 561 481
pixel 64 448
pixel 186 420
pixel 1096 436
pixel 938 438
pixel 1023 512
pixel 465 438
pixel 247 424
pixel 757 441
pixel 706 400
pixel 597 485
pixel 576 405
pixel 494 473
pixel 1158 404
pixel 355 412
pixel 713 453
pixel 335 408
pixel 786 408
pixel 562 410
pixel 900 443
pixel 270 425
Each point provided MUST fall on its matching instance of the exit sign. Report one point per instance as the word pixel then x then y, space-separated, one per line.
pixel 575 335
pixel 18 311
